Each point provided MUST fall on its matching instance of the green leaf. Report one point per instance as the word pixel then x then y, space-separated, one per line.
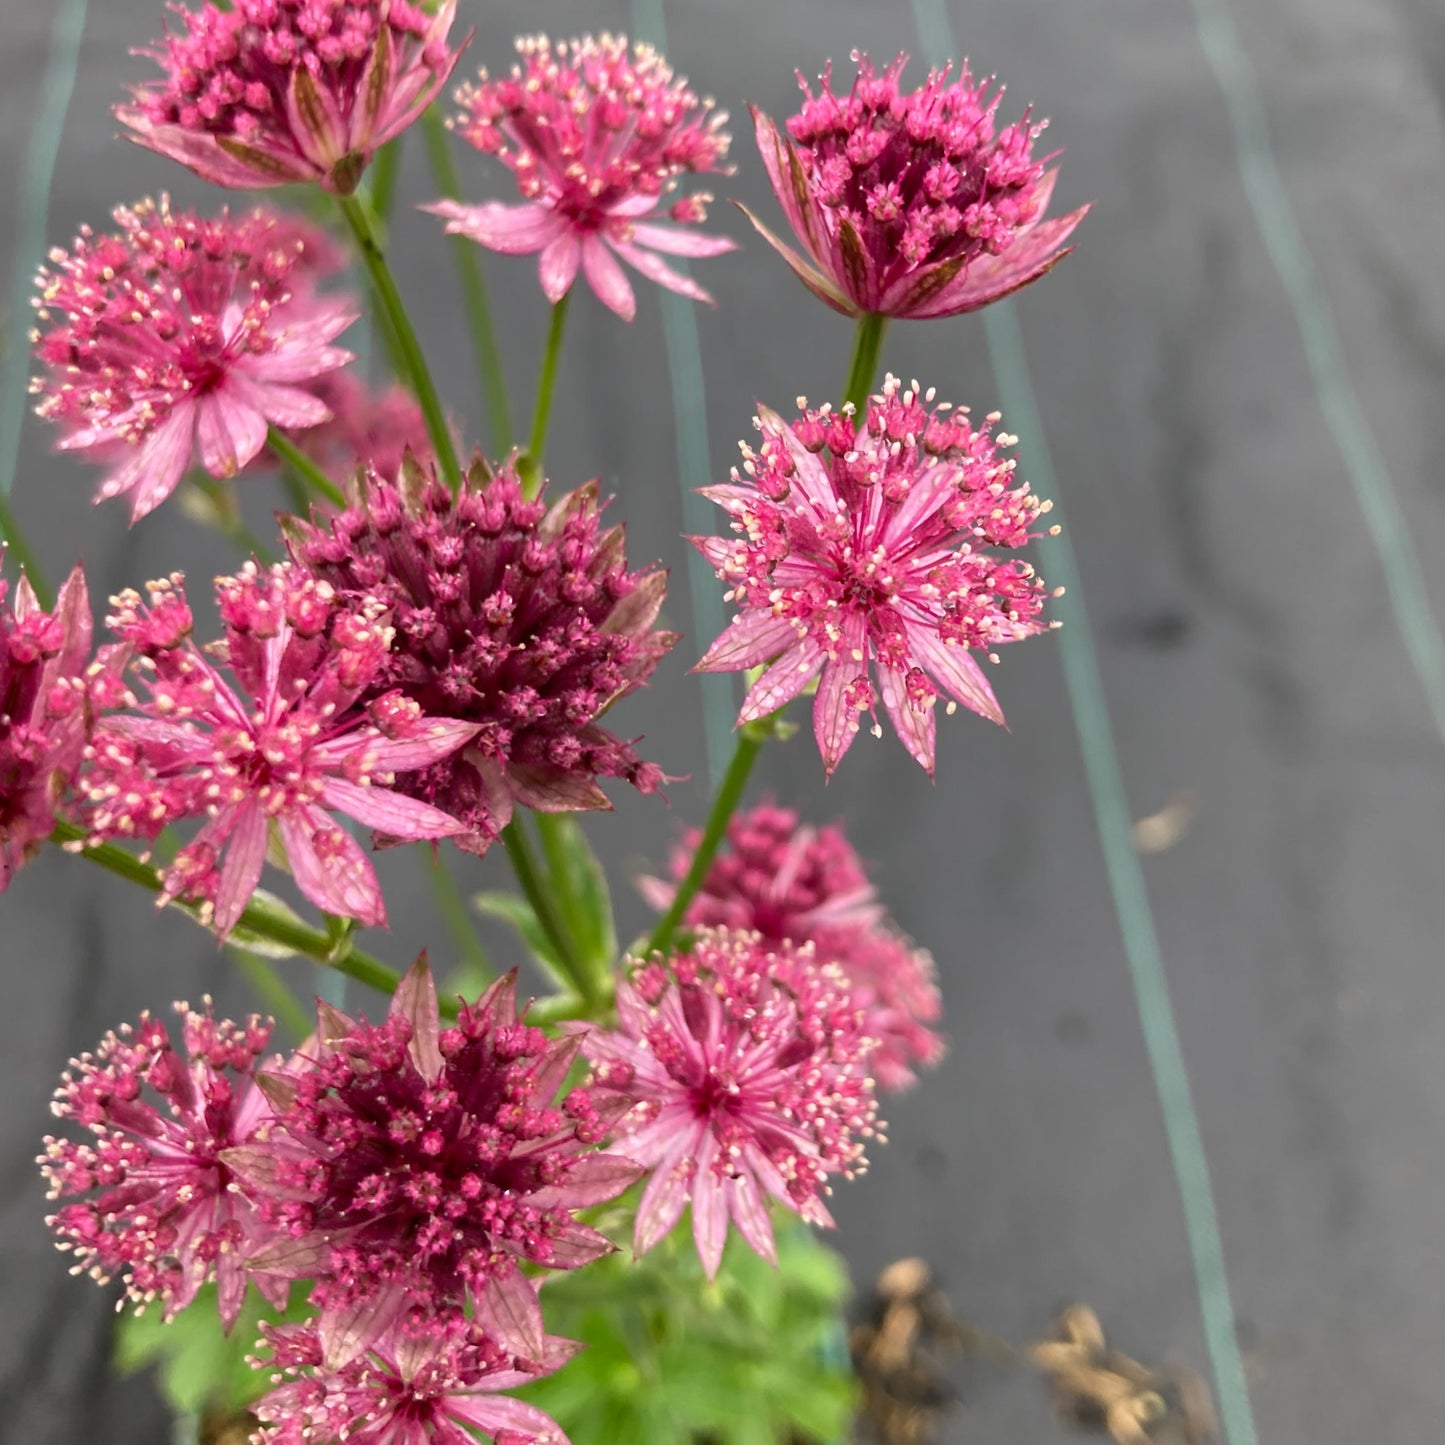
pixel 582 885
pixel 514 909
pixel 242 938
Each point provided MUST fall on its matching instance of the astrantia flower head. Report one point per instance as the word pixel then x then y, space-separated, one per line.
pixel 179 336
pixel 520 618
pixel 750 1065
pixel 284 747
pixel 865 548
pixel 421 1164
pixel 267 92
pixel 411 1388
pixel 911 203
pixel 166 1217
pixel 791 883
pixel 597 135
pixel 44 712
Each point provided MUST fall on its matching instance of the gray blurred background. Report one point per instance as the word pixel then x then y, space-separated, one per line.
pixel 1244 632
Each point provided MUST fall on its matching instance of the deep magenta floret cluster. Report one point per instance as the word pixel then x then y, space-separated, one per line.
pixel 421 1165
pixel 866 547
pixel 520 618
pixel 296 734
pixel 44 712
pixel 911 203
pixel 750 1065
pixel 597 134
pixel 792 883
pixel 164 1214
pixel 267 92
pixel 177 337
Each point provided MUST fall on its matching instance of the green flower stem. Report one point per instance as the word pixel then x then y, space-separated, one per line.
pixel 374 259
pixel 866 345
pixel 529 875
pixel 474 291
pixel 228 516
pixel 11 534
pixel 275 997
pixel 457 917
pixel 259 919
pixel 384 171
pixel 302 468
pixel 531 464
pixel 724 805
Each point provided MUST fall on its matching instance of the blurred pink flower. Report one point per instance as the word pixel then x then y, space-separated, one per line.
pixel 596 136
pixel 910 203
pixel 419 1165
pixel 518 617
pixel 268 92
pixel 167 1217
pixel 180 336
pixel 44 712
pixel 864 546
pixel 749 1064
pixel 288 755
pixel 368 428
pixel 435 1387
pixel 789 883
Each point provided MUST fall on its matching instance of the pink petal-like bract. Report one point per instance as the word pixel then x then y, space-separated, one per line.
pixel 164 1214
pixel 412 1387
pixel 44 712
pixel 426 1162
pixel 596 134
pixel 866 547
pixel 267 92
pixel 750 1065
pixel 520 618
pixel 792 883
pixel 288 738
pixel 910 203
pixel 179 339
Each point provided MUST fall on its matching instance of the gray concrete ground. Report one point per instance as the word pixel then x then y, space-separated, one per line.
pixel 1247 647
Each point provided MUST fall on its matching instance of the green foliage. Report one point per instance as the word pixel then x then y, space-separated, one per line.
pixel 198 1366
pixel 755 1358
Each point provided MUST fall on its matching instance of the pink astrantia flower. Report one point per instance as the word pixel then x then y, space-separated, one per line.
pixel 44 712
pixel 864 546
pixel 373 429
pixel 267 92
pixel 911 203
pixel 166 1217
pixel 750 1067
pixel 179 336
pixel 596 136
pixel 421 1164
pixel 795 884
pixel 285 752
pixel 432 1388
pixel 520 618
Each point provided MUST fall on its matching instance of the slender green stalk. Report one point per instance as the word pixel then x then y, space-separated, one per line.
pixel 11 534
pixel 866 346
pixel 302 468
pixel 724 805
pixel 531 466
pixel 474 291
pixel 228 515
pixel 384 171
pixel 274 995
pixel 457 917
pixel 374 259
pixel 529 875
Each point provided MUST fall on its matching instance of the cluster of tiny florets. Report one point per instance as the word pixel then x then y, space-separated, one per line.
pixel 179 335
pixel 266 92
pixel 519 618
pixel 912 203
pixel 792 883
pixel 164 1213
pixel 597 134
pixel 867 544
pixel 292 746
pixel 750 1063
pixel 44 712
